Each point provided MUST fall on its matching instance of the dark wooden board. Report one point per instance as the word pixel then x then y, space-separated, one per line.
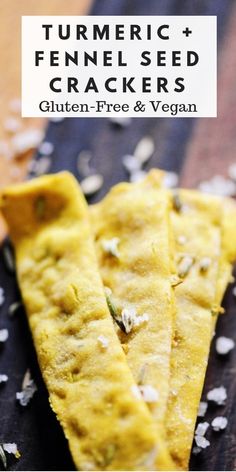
pixel 35 428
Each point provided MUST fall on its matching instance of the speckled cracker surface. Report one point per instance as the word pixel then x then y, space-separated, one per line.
pixel 139 277
pixel 90 386
pixel 197 232
pixel 228 254
pixel 204 229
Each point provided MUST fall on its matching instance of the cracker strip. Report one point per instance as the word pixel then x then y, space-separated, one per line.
pixel 138 275
pixel 198 223
pixel 90 386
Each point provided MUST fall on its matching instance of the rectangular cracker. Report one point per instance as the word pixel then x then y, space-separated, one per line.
pixel 200 294
pixel 139 277
pixel 197 297
pixel 90 386
pixel 199 223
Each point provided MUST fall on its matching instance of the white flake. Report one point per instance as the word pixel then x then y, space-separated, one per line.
pixel 103 341
pixel 204 264
pixel 92 184
pixel 196 450
pixel 224 345
pixel 8 258
pixel 149 393
pixel 28 390
pixel 26 140
pixel 3 335
pixel 144 150
pixel 141 319
pixel 127 317
pixel 42 165
pixel 137 176
pixel 131 164
pixel 10 448
pixel 202 442
pixel 123 122
pixel 185 265
pixel 2 297
pixel 13 308
pixel 136 392
pixel 217 395
pixel 57 119
pixel 83 161
pixel 3 378
pixel 110 246
pixel 219 423
pixel 130 319
pixel 170 180
pixel 202 409
pixel 46 148
pixel 219 185
pixel 202 428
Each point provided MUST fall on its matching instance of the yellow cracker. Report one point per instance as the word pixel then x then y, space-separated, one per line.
pixel 90 385
pixel 199 221
pixel 228 256
pixel 208 225
pixel 199 295
pixel 140 279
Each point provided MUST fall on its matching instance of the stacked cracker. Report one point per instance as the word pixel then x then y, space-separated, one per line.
pixel 122 300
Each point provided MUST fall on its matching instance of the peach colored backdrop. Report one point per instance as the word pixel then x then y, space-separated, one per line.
pixel 10 71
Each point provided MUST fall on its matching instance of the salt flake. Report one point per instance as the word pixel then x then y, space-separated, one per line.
pixel 131 163
pixel 3 335
pixel 170 180
pixel 92 184
pixel 2 297
pixel 202 409
pixel 224 345
pixel 26 140
pixel 46 148
pixel 103 341
pixel 123 122
pixel 130 319
pixel 110 246
pixel 202 442
pixel 144 150
pixel 219 423
pixel 11 448
pixel 149 393
pixel 196 450
pixel 137 176
pixel 136 392
pixel 3 378
pixel 217 395
pixel 28 390
pixel 219 185
pixel 202 428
